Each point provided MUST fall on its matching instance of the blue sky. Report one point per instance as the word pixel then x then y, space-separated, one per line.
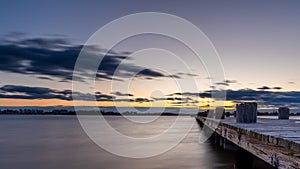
pixel 258 41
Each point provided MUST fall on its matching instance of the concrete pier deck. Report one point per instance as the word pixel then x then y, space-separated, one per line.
pixel 275 141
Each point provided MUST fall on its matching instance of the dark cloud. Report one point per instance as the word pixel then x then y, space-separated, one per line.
pixel 264 97
pixel 121 94
pixel 222 83
pixel 192 94
pixel 27 92
pixel 104 97
pixel 177 100
pixel 142 100
pixel 168 99
pixel 269 88
pixel 174 94
pixel 123 100
pixel 150 73
pixel 48 43
pixel 226 82
pixel 34 60
pixel 26 89
pixel 230 81
pixel 55 58
pixel 174 76
pixel 264 88
pixel 44 78
pixel 187 74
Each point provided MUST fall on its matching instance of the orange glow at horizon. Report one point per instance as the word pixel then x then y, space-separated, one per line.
pixel 56 102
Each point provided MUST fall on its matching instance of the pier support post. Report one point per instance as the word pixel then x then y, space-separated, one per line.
pixel 246 112
pixel 283 113
pixel 243 160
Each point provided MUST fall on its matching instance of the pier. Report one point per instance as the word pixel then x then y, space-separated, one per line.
pixel 275 141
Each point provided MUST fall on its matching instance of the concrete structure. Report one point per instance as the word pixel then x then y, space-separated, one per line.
pixel 283 113
pixel 246 112
pixel 277 142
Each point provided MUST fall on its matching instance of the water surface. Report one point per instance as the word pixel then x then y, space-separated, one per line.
pixel 59 142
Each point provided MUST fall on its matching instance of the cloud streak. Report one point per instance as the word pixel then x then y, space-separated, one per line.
pixel 266 98
pixel 263 97
pixel 27 92
pixel 55 58
pixel 117 93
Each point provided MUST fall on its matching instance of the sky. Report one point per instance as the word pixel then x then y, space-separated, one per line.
pixel 258 43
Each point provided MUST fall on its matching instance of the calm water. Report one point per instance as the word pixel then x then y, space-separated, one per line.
pixel 59 142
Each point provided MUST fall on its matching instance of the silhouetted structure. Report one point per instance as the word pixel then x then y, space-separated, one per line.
pixel 246 112
pixel 283 113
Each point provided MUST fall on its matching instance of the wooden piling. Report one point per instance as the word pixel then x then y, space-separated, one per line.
pixel 246 112
pixel 283 113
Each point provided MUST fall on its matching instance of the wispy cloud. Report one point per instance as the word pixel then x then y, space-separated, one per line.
pixel 266 98
pixel 264 88
pixel 269 88
pixel 55 58
pixel 226 82
pixel 27 92
pixel 121 94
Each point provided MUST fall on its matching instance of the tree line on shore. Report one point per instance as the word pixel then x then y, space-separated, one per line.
pixel 93 112
pixel 68 112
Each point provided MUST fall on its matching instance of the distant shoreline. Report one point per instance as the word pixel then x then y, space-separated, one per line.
pixel 111 113
pixel 82 112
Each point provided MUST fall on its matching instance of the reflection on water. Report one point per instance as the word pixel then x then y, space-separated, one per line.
pixel 59 142
pixel 276 117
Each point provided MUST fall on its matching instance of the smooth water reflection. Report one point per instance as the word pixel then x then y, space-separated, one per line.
pixel 59 142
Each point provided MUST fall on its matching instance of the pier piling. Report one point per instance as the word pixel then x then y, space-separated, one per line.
pixel 246 112
pixel 283 113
